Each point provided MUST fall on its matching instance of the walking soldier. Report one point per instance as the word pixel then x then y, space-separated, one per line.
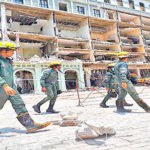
pixel 125 85
pixel 8 89
pixel 50 86
pixel 111 86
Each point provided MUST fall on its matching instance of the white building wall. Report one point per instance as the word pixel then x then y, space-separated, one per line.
pixel 126 3
pixel 114 2
pixel 68 33
pixel 83 32
pixel 48 28
pixel 25 28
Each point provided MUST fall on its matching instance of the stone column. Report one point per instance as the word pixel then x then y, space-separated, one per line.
pixel 138 72
pixel 88 76
pixel 61 80
pixel 38 74
pixel 3 23
pixel 81 77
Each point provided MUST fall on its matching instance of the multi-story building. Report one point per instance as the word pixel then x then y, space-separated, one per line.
pixel 84 35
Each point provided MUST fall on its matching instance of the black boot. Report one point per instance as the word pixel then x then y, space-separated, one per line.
pixel 142 104
pixel 102 104
pixel 37 108
pixel 126 104
pixel 29 124
pixel 50 109
pixel 120 107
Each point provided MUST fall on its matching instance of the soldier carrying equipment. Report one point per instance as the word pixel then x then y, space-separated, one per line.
pixel 125 85
pixel 111 86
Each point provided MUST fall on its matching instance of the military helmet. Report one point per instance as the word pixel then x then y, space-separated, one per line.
pixel 110 65
pixel 123 55
pixel 55 63
pixel 8 46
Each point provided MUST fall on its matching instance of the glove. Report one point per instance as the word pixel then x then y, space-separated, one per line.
pixel 124 85
pixel 59 91
pixel 44 89
pixel 107 88
pixel 9 91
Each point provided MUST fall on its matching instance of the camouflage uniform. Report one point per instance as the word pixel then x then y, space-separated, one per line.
pixel 122 73
pixel 6 77
pixel 48 80
pixel 109 81
pixel 7 85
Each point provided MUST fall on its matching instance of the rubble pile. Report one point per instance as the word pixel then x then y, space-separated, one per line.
pixel 91 129
pixel 69 119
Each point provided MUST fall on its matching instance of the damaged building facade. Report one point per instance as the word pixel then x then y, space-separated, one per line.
pixel 85 35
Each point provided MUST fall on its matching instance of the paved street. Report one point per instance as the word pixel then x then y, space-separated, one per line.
pixel 133 129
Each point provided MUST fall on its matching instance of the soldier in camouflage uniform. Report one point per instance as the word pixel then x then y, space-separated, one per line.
pixel 125 85
pixel 8 89
pixel 49 84
pixel 111 86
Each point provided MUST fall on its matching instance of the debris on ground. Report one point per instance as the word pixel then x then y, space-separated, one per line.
pixel 92 129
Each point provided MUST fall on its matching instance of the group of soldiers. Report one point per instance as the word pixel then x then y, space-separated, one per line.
pixel 117 82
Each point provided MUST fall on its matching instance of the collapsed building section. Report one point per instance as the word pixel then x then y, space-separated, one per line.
pixel 73 37
pixel 79 34
pixel 104 39
pixel 32 31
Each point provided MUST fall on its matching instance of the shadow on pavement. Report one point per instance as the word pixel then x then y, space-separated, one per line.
pixel 45 113
pixel 39 131
pixel 8 129
pixel 132 112
pixel 6 136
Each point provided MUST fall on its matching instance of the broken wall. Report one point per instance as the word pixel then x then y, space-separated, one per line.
pixel 48 27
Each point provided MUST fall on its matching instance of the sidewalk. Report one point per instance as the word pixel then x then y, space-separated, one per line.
pixel 133 129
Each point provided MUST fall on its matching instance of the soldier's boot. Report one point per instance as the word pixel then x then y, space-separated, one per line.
pixel 120 107
pixel 50 109
pixel 36 108
pixel 126 104
pixel 103 104
pixel 142 104
pixel 29 124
